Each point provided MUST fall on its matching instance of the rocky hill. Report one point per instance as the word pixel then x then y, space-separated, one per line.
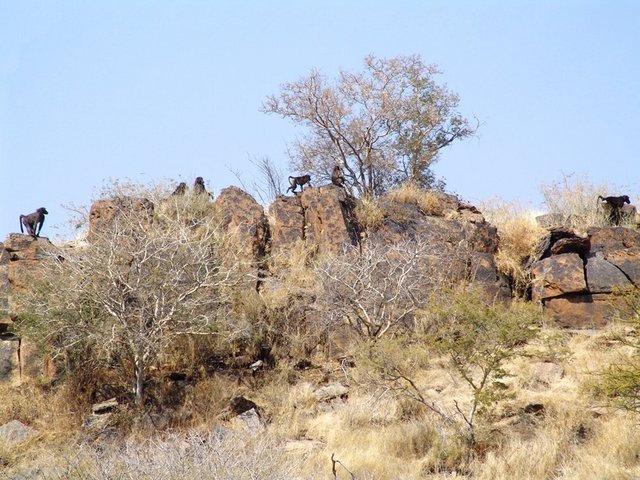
pixel 316 383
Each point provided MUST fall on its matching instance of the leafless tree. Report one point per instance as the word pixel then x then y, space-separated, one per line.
pixel 141 282
pixel 381 286
pixel 384 125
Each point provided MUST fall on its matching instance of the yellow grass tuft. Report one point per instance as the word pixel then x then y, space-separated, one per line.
pixel 519 236
pixel 428 201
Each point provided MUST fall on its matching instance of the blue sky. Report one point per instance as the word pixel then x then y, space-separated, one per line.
pixel 156 90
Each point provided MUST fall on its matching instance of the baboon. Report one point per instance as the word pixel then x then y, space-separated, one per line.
pixel 199 188
pixel 33 222
pixel 301 180
pixel 180 190
pixel 337 176
pixel 614 205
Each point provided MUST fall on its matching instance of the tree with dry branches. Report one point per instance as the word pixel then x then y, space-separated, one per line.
pixel 384 125
pixel 144 279
pixel 379 287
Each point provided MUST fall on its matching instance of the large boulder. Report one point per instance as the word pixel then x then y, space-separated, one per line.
pixel 16 432
pixel 558 275
pixel 241 215
pixel 603 276
pixel 580 311
pixel 621 247
pixel 576 276
pixel 105 211
pixel 329 220
pixel 20 262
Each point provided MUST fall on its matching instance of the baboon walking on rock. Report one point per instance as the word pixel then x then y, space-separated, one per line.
pixel 33 222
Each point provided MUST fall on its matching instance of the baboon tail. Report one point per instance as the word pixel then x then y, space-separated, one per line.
pixel 21 217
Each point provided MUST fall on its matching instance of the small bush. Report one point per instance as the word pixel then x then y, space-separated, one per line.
pixel 369 213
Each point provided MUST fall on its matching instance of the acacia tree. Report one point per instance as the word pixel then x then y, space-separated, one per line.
pixel 146 277
pixel 384 125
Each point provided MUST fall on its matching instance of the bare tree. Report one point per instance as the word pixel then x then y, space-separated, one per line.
pixel 143 280
pixel 271 179
pixel 384 125
pixel 381 286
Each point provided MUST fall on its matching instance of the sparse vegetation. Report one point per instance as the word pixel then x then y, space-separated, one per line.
pixel 519 234
pixel 573 203
pixel 429 202
pixel 440 383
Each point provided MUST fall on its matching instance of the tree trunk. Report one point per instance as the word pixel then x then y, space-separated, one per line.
pixel 139 388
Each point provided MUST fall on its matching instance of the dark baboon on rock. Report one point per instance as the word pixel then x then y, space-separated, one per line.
pixel 199 188
pixel 337 176
pixel 181 189
pixel 295 181
pixel 33 222
pixel 614 206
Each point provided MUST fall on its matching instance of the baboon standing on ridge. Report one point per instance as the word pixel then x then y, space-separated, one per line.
pixel 295 181
pixel 199 188
pixel 33 222
pixel 614 205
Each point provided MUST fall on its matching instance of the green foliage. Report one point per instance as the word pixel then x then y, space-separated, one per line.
pixel 619 383
pixel 479 337
pixel 476 337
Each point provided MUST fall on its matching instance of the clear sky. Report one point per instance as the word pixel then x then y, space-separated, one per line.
pixel 156 90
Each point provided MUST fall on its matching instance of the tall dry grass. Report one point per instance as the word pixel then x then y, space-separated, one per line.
pixel 519 236
pixel 573 203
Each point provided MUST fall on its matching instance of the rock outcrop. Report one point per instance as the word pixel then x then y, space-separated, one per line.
pixel 321 216
pixel 462 242
pixel 20 260
pixel 103 212
pixel 241 215
pixel 574 276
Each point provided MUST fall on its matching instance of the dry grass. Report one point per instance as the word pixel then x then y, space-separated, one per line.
pixel 573 203
pixel 375 434
pixel 428 201
pixel 519 235
pixel 369 213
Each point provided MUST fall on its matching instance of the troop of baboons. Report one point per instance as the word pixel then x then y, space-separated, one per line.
pixel 198 188
pixel 337 179
pixel 614 206
pixel 33 222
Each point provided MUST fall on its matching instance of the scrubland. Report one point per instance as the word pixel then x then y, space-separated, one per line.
pixel 466 388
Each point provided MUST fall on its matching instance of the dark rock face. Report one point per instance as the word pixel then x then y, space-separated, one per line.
pixel 288 222
pixel 603 276
pixel 240 214
pixel 558 275
pixel 329 220
pixel 464 244
pixel 575 287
